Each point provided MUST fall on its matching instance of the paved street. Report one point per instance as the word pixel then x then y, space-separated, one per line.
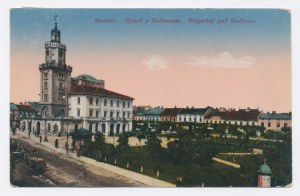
pixel 65 171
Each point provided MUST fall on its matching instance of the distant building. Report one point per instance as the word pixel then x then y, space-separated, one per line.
pixel 275 121
pixel 139 115
pixel 87 80
pixel 170 114
pixel 234 117
pixel 216 116
pixel 196 115
pixel 153 115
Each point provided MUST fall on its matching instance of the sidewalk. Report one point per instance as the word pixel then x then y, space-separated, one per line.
pixel 149 181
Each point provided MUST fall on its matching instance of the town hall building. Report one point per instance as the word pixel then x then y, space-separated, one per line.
pixel 67 104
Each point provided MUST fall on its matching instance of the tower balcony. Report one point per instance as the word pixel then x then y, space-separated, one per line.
pixel 55 45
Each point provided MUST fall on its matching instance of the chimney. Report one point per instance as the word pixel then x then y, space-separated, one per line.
pixel 273 112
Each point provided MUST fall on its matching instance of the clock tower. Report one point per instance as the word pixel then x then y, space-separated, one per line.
pixel 55 77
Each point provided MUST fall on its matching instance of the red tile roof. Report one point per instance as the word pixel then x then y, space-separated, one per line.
pixel 89 90
pixel 241 114
pixel 26 108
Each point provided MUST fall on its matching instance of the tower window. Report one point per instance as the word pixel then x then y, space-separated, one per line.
pixel 45 97
pixel 78 100
pixel 61 85
pixel 91 101
pixel 78 112
pixel 45 75
pixel 45 85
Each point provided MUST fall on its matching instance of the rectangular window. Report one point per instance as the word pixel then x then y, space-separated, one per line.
pixel 91 113
pixel 111 114
pixel 285 125
pixel 97 113
pixel 179 119
pixel 105 114
pixel 60 85
pixel 184 119
pixel 128 104
pixel 111 103
pixel 190 119
pixel 262 124
pixel 91 101
pixel 78 100
pixel 278 124
pixel 118 114
pixel 269 124
pixel 124 114
pixel 105 102
pixel 45 85
pixel 78 112
pixel 124 104
pixel 97 101
pixel 128 115
pixel 45 75
pixel 118 104
pixel 45 97
pixel 195 119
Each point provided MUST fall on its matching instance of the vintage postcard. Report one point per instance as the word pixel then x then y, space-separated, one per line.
pixel 150 98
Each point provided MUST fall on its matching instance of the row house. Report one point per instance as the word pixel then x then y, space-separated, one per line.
pixel 170 114
pixel 139 115
pixel 196 115
pixel 234 117
pixel 154 114
pixel 275 121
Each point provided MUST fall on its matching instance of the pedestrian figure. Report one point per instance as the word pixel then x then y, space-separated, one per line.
pixel 67 147
pixel 41 139
pixel 56 143
pixel 45 139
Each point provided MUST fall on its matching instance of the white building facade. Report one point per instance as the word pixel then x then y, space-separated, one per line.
pixel 99 109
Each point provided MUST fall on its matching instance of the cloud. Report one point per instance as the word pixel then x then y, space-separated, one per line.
pixel 155 63
pixel 222 60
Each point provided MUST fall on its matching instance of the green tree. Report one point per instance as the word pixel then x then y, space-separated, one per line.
pixel 123 143
pixel 153 143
